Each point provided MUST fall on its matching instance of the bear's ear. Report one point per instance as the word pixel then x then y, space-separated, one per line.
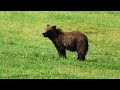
pixel 54 27
pixel 48 25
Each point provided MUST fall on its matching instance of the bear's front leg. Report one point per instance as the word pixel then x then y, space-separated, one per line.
pixel 61 52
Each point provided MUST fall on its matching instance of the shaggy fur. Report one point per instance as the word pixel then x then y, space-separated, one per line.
pixel 73 41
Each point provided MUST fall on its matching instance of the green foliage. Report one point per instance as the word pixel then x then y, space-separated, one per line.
pixel 25 53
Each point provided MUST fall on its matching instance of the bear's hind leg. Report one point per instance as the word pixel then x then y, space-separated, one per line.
pixel 82 48
pixel 81 56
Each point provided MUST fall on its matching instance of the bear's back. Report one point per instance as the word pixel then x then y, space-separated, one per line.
pixel 71 38
pixel 74 35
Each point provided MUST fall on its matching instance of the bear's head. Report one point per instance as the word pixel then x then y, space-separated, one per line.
pixel 51 32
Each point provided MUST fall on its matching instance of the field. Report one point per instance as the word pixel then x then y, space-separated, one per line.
pixel 26 54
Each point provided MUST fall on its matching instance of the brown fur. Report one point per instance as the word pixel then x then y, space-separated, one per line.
pixel 73 41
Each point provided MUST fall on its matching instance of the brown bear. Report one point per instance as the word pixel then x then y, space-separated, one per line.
pixel 73 41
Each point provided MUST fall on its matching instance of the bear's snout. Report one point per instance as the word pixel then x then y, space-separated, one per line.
pixel 44 34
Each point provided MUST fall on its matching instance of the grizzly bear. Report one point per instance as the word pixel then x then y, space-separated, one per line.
pixel 73 41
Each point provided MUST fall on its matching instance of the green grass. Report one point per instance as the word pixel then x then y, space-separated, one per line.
pixel 25 53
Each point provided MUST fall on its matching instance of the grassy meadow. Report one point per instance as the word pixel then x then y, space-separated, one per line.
pixel 26 54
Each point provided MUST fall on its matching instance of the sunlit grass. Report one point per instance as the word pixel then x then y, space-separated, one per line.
pixel 25 53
